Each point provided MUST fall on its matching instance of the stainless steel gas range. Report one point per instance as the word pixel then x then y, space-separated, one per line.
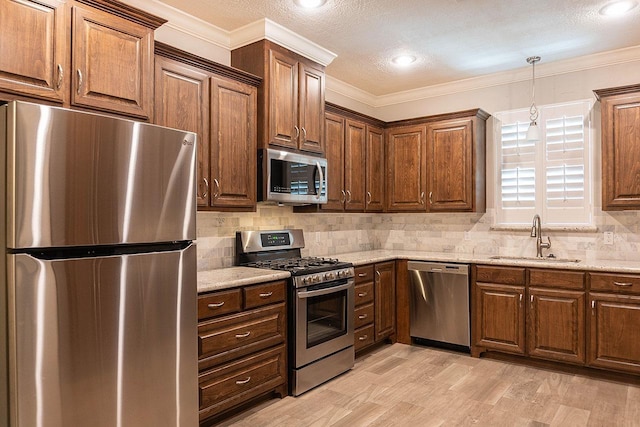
pixel 320 301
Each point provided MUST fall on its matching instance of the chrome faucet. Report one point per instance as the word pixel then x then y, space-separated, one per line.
pixel 536 231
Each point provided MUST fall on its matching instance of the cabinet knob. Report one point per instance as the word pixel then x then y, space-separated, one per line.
pixel 344 197
pixel 362 316
pixel 304 135
pixel 348 196
pixel 368 197
pixel 242 382
pixel 217 190
pixel 206 188
pixel 362 294
pixel 266 294
pixel 246 334
pixel 623 284
pixel 79 80
pixel 364 337
pixel 215 305
pixel 297 132
pixel 422 198
pixel 60 76
pixel 430 197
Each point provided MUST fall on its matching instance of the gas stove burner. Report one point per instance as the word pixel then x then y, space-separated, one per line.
pixel 295 264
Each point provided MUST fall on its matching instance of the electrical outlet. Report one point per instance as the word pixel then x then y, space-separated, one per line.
pixel 608 237
pixel 467 235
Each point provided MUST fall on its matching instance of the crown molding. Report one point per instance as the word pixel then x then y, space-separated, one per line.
pixel 267 29
pixel 183 23
pixel 598 60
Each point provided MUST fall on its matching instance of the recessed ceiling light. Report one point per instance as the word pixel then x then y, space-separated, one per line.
pixel 310 4
pixel 404 60
pixel 618 8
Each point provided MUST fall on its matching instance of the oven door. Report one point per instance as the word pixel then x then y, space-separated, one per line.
pixel 323 320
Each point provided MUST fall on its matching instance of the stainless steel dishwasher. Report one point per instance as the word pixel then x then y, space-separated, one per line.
pixel 439 303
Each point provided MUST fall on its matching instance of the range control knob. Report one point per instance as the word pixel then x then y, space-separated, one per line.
pixel 330 276
pixel 306 280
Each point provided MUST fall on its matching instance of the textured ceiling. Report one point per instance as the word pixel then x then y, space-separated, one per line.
pixel 452 39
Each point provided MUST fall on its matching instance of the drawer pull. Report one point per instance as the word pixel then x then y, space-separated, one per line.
pixel 242 382
pixel 364 337
pixel 362 274
pixel 362 294
pixel 623 284
pixel 266 295
pixel 246 334
pixel 362 316
pixel 215 305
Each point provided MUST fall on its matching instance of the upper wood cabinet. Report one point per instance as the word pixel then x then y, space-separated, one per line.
pixel 95 54
pixel 620 109
pixel 233 153
pixel 374 175
pixel 437 163
pixel 355 161
pixel 354 164
pixel 456 164
pixel 34 57
pixel 291 98
pixel 406 169
pixel 219 104
pixel 182 102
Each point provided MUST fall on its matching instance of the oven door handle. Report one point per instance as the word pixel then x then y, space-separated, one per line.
pixel 325 291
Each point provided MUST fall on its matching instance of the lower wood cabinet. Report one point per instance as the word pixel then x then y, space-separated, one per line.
pixel 375 303
pixel 501 319
pixel 556 325
pixel 241 346
pixel 534 312
pixel 614 322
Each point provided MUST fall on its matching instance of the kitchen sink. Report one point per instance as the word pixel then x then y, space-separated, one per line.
pixel 530 258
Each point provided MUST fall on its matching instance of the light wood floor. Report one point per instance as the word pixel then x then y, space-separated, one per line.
pixel 401 385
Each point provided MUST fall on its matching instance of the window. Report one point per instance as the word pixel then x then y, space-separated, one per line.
pixel 550 177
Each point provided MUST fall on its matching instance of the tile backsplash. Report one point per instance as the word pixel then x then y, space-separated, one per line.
pixel 330 234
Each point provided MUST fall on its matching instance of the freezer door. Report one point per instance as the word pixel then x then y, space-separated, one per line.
pixel 104 342
pixel 76 179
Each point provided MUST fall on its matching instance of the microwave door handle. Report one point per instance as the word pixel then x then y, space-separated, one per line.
pixel 325 291
pixel 321 180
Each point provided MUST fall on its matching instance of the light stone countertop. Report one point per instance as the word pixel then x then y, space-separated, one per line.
pixel 232 277
pixel 225 278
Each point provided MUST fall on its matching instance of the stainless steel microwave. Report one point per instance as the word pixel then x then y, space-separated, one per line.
pixel 291 178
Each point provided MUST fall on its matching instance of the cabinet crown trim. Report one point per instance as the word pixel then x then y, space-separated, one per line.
pixel 126 11
pixel 620 90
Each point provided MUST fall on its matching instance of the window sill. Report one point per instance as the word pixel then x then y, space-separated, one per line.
pixel 563 228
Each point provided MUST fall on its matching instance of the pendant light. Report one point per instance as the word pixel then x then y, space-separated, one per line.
pixel 533 133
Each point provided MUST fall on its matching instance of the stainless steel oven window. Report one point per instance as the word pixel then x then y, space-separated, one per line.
pixel 326 317
pixel 323 321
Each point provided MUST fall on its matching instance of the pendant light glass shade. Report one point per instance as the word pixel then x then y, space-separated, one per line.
pixel 533 133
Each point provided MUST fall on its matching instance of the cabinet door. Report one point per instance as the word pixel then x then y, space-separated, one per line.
pixel 283 101
pixel 311 114
pixel 406 169
pixel 385 299
pixel 182 102
pixel 375 170
pixel 334 136
pixel 556 325
pixel 450 180
pixel 500 320
pixel 354 164
pixel 33 48
pixel 620 152
pixel 234 144
pixel 614 332
pixel 112 63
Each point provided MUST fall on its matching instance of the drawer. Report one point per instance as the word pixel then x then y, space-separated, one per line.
pixel 502 275
pixel 364 274
pixel 363 315
pixel 363 337
pixel 219 303
pixel 264 294
pixel 241 333
pixel 363 294
pixel 236 382
pixel 556 278
pixel 626 283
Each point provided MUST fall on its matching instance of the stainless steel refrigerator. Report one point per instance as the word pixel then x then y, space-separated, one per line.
pixel 98 309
